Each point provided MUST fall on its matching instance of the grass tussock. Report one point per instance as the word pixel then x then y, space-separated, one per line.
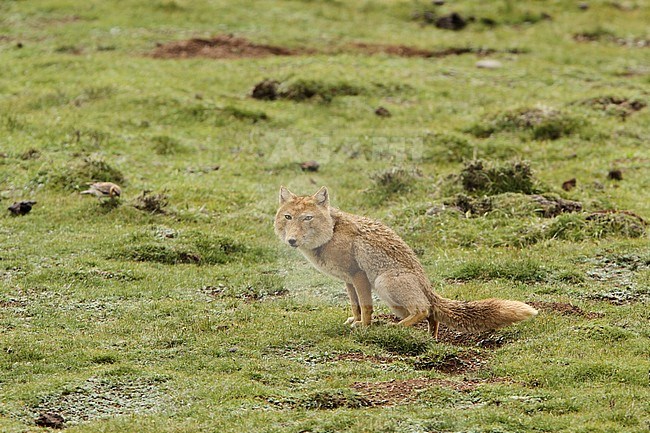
pixel 582 226
pixel 395 180
pixel 154 203
pixel 304 90
pixel 394 339
pixel 446 147
pixel 166 145
pixel 513 204
pixel 78 173
pixel 527 271
pixel 185 248
pixel 539 123
pixel 211 114
pixel 482 178
pixel 616 106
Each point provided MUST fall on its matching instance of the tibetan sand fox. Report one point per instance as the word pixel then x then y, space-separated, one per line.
pixel 367 255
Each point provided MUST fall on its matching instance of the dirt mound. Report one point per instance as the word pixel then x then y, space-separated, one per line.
pixel 614 105
pixel 220 47
pixel 486 340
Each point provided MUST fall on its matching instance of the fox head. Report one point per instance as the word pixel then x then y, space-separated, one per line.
pixel 304 221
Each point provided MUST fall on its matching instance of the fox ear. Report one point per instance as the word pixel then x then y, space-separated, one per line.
pixel 322 197
pixel 286 195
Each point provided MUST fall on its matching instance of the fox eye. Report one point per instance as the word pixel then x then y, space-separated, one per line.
pixel 287 216
pixel 308 218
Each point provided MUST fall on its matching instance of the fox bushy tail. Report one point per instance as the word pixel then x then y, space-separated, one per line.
pixel 479 316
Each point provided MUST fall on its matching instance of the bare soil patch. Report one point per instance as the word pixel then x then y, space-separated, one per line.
pixel 617 273
pixel 51 420
pixel 220 47
pixel 564 309
pixel 395 392
pixel 362 357
pixel 600 36
pixel 233 47
pixel 408 51
pixel 101 398
pixel 453 363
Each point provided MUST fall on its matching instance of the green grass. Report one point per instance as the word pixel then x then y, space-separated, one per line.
pixel 177 310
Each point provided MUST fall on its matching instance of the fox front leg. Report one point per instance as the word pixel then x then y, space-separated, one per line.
pixel 363 295
pixel 354 304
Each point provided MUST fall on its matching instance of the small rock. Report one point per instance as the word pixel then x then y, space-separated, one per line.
pixel 51 420
pixel 382 112
pixel 21 207
pixel 569 184
pixel 490 22
pixel 615 174
pixel 266 90
pixel 452 21
pixel 583 6
pixel 488 64
pixel 310 166
pixel 438 2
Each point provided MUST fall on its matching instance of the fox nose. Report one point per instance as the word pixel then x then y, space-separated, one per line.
pixel 292 242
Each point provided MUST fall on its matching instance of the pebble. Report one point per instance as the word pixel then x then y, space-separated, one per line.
pixel 488 64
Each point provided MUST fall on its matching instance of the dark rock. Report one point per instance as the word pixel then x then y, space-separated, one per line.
pixel 266 90
pixel 569 184
pixel 382 112
pixel 452 21
pixel 310 166
pixel 615 174
pixel 21 207
pixel 51 420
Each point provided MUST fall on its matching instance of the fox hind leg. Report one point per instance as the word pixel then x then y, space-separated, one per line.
pixel 433 326
pixel 404 295
pixel 414 318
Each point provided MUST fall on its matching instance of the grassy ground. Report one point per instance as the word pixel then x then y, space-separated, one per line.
pixel 179 311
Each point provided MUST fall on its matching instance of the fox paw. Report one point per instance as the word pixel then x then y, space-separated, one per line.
pixel 351 320
pixel 358 324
